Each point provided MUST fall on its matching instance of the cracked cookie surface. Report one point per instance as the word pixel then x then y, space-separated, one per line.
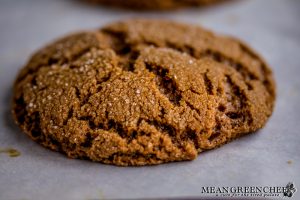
pixel 142 92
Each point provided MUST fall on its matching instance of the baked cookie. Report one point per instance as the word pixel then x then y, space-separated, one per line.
pixel 155 4
pixel 142 92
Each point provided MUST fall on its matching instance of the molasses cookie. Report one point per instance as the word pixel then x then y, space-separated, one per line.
pixel 142 92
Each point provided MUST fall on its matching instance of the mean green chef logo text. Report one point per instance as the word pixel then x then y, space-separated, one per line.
pixel 251 191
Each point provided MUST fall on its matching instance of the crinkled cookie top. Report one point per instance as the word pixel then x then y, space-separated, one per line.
pixel 142 92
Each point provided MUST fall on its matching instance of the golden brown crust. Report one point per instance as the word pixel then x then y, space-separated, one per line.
pixel 142 92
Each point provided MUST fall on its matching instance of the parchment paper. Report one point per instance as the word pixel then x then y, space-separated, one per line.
pixel 269 157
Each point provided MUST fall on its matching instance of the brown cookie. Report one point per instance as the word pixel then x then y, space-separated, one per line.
pixel 142 92
pixel 155 4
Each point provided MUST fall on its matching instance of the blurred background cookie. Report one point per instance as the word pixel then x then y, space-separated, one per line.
pixel 155 4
